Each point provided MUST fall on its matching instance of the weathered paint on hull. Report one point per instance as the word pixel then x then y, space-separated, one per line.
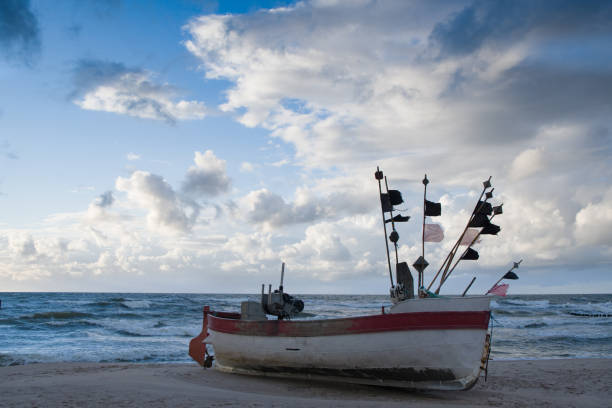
pixel 422 359
pixel 421 344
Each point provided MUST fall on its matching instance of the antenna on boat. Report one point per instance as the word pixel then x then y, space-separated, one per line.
pixel 379 176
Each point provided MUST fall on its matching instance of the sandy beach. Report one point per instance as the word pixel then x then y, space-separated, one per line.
pixel 544 383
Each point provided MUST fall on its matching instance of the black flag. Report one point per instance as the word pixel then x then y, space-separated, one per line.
pixel 479 220
pixel 498 210
pixel 484 208
pixel 385 203
pixel 398 218
pixel 432 209
pixel 510 275
pixel 490 229
pixel 470 255
pixel 395 197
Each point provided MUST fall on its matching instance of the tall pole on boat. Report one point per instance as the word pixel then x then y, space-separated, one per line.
pixel 379 176
pixel 425 182
pixel 394 240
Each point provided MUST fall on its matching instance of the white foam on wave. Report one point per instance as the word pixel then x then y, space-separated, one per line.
pixel 137 304
pixel 540 304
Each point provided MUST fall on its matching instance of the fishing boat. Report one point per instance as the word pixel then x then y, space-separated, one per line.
pixel 417 341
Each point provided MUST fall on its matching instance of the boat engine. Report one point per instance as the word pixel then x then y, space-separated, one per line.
pixel 279 303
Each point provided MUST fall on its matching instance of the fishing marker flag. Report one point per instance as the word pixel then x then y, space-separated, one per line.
pixel 484 208
pixel 469 236
pixel 479 221
pixel 433 233
pixel 499 290
pixel 470 255
pixel 432 209
pixel 490 229
pixel 398 218
pixel 387 201
pixel 395 197
pixel 510 275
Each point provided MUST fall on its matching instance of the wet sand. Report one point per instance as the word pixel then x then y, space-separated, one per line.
pixel 544 383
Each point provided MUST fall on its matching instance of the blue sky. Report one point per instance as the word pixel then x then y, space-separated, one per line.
pixel 194 146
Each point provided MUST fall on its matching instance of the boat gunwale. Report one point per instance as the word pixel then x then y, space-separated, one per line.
pixel 442 320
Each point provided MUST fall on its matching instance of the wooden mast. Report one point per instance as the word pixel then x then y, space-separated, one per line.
pixel 421 276
pixel 392 226
pixel 379 176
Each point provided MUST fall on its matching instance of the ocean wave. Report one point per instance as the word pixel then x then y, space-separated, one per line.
pixel 128 315
pixel 540 304
pixel 9 360
pixel 71 324
pixel 102 304
pixel 131 333
pixel 535 325
pixel 55 315
pixel 137 304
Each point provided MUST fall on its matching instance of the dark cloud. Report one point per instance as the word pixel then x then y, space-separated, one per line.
pixel 548 93
pixel 502 22
pixel 105 200
pixel 19 32
pixel 532 96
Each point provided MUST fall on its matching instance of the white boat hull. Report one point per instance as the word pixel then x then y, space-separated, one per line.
pixel 431 359
pixel 441 348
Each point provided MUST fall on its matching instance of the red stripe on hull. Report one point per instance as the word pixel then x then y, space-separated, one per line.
pixel 353 325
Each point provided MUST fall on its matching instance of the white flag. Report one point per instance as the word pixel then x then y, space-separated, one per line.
pixel 469 236
pixel 433 233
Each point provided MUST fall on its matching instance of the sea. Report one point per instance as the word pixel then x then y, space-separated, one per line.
pixel 157 327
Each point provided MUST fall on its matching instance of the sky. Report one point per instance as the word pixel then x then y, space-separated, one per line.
pixel 194 146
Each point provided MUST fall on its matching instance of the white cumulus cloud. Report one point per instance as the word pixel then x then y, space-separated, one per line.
pixel 165 209
pixel 208 176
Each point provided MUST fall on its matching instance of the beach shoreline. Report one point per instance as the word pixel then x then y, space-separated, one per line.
pixel 510 383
